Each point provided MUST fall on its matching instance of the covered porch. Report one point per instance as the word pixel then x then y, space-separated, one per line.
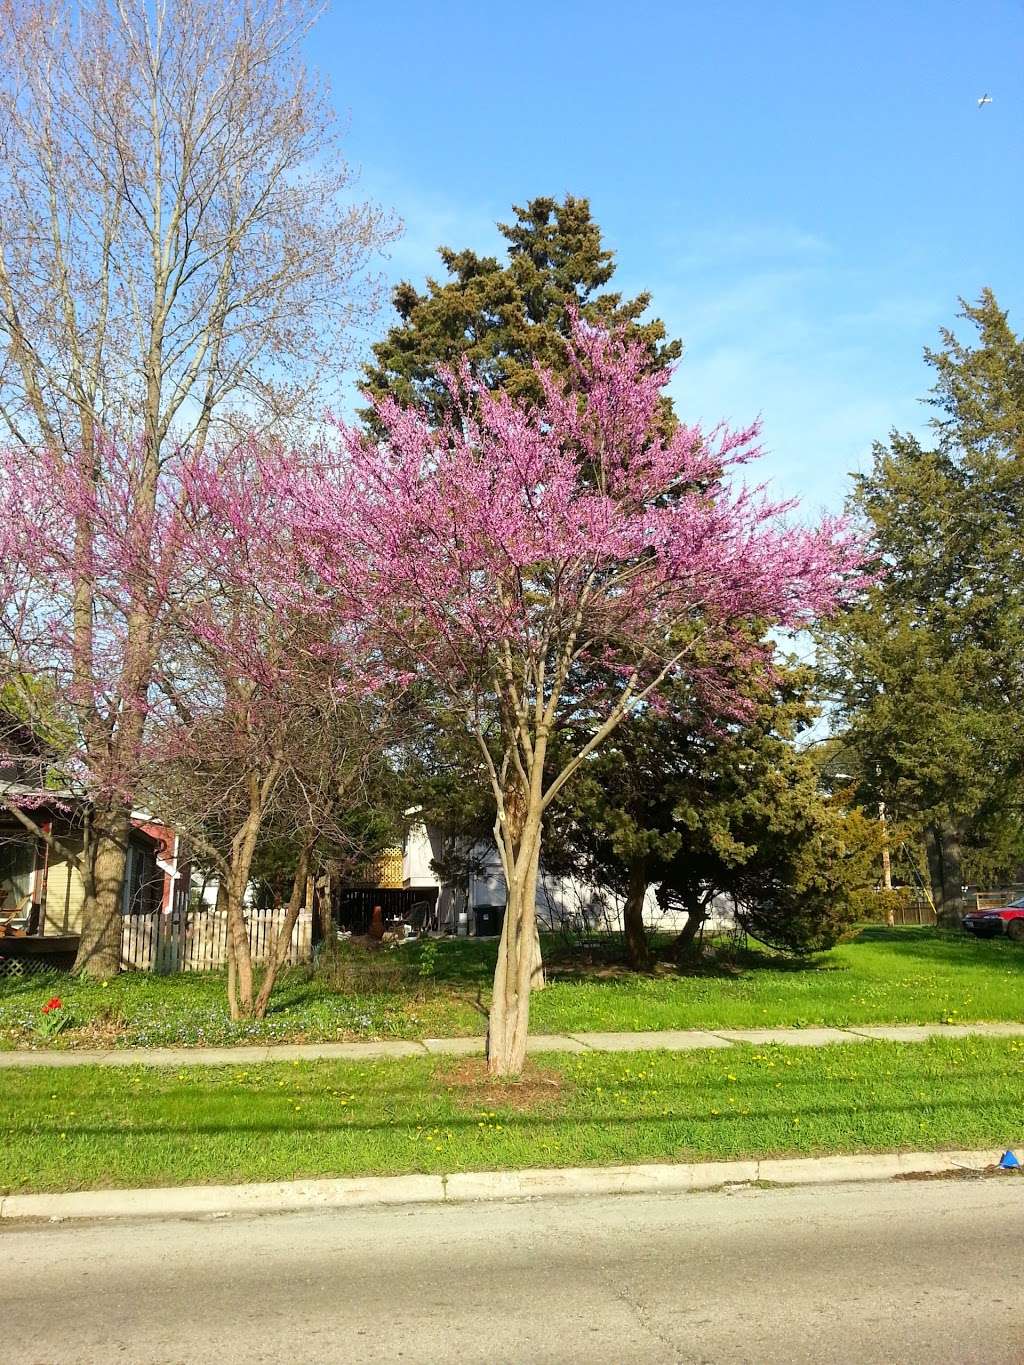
pixel 42 891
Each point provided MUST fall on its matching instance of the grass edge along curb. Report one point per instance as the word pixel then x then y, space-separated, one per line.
pixel 480 1186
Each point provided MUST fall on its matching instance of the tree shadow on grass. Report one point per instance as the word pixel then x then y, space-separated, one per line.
pixel 913 945
pixel 681 1109
pixel 468 964
pixel 944 948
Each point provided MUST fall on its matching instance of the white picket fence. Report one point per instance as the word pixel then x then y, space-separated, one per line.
pixel 198 941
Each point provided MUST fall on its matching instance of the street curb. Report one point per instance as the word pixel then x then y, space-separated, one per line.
pixel 190 1201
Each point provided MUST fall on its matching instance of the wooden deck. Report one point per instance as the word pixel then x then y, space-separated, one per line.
pixel 58 950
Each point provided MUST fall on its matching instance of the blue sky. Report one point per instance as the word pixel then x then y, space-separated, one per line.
pixel 805 188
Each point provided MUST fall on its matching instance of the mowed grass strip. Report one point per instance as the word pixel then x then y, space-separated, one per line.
pixel 885 976
pixel 88 1127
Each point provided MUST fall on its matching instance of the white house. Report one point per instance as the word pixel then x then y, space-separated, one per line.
pixel 562 902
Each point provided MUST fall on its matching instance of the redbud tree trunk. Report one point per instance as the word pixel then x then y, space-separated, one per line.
pixel 240 989
pixel 241 1002
pixel 522 799
pixel 282 942
pixel 518 965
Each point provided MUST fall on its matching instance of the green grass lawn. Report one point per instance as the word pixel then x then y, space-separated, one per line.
pixel 884 976
pixel 89 1127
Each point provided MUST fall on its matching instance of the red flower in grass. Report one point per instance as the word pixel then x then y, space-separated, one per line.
pixel 53 1004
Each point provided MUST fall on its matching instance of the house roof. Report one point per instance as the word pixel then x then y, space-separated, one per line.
pixel 67 802
pixel 31 794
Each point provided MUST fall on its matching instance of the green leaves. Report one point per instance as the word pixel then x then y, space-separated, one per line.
pixel 735 809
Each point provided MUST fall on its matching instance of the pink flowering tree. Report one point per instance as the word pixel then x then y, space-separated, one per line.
pixel 547 569
pixel 187 686
pixel 265 724
pixel 92 575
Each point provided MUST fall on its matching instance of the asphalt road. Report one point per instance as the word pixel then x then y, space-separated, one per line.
pixel 929 1272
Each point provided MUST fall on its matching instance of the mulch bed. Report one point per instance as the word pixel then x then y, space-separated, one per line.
pixel 538 1088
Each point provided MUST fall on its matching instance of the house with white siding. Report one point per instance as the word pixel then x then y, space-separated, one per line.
pixel 562 902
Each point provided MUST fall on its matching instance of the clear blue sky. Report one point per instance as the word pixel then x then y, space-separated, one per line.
pixel 804 186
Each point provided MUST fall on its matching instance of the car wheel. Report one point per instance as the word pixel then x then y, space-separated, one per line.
pixel 1015 930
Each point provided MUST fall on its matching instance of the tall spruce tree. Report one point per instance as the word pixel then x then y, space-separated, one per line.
pixel 926 668
pixel 506 316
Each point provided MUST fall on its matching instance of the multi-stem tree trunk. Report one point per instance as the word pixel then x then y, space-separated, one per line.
pixel 222 909
pixel 99 946
pixel 279 952
pixel 238 869
pixel 241 998
pixel 518 965
pixel 638 951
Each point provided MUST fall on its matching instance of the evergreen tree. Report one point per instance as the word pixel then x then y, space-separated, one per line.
pixel 926 667
pixel 735 810
pixel 507 316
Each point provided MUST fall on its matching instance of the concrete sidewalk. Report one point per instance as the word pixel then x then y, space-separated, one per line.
pixel 675 1040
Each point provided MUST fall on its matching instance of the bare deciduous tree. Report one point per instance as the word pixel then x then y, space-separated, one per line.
pixel 173 229
pixel 176 248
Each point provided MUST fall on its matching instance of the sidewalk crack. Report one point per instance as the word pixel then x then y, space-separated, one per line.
pixel 575 1038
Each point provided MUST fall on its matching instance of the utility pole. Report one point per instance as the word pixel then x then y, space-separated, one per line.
pixel 886 860
pixel 890 915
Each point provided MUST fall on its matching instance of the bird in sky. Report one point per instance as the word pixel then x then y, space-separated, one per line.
pixel 985 99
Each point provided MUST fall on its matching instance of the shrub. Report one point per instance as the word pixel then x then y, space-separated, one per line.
pixel 796 921
pixel 874 905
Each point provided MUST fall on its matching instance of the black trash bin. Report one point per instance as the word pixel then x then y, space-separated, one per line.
pixel 489 919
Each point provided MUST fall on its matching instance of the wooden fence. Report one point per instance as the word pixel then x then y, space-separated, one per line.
pixel 198 941
pixel 921 912
pixel 994 900
pixel 914 912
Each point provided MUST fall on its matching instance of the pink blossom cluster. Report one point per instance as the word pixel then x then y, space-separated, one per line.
pixel 521 557
pixel 577 535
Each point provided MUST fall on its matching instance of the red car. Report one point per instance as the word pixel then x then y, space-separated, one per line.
pixel 1007 919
